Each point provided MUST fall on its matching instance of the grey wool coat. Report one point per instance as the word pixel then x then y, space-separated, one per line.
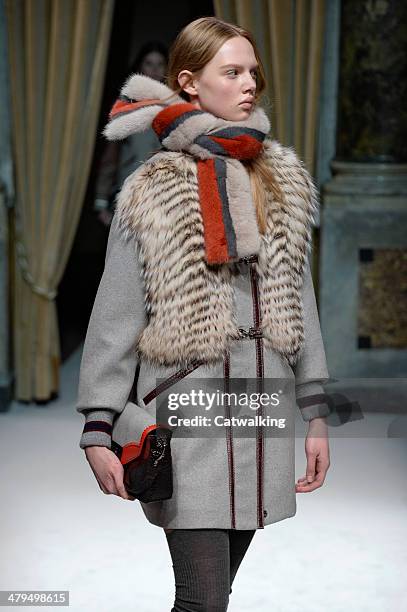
pixel 260 323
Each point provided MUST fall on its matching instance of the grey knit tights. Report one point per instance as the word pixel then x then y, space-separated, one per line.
pixel 205 562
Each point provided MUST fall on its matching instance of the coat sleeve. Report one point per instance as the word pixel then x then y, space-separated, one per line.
pixel 311 369
pixel 106 174
pixel 109 358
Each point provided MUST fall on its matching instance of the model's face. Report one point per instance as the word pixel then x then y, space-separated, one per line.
pixel 154 65
pixel 227 80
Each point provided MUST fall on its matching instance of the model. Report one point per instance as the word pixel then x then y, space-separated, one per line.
pixel 208 263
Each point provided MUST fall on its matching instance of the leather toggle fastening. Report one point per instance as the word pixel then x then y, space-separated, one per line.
pixel 249 259
pixel 252 332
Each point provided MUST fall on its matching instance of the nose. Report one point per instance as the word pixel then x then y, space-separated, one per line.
pixel 250 84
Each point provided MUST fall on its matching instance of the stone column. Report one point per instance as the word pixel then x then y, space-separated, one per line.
pixel 363 274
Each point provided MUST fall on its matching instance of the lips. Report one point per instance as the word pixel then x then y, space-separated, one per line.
pixel 247 102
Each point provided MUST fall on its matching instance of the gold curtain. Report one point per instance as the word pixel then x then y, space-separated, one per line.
pixel 290 36
pixel 57 55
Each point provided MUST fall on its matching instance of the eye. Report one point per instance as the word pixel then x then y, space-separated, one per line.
pixel 234 71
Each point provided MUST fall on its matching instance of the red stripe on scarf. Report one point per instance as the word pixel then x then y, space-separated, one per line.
pixel 211 207
pixel 240 147
pixel 121 106
pixel 169 114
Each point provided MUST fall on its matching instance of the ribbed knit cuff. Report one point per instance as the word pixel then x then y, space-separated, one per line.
pixel 101 204
pixel 97 430
pixel 311 400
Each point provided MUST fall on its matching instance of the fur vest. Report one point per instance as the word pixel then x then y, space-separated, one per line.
pixel 190 304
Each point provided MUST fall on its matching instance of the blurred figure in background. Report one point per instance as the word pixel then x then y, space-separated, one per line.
pixel 121 158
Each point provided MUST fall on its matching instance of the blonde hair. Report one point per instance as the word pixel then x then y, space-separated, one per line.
pixel 195 45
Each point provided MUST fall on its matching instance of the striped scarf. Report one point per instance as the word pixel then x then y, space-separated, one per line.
pixel 228 213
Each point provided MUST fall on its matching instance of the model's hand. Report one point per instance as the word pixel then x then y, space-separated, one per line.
pixel 317 452
pixel 108 470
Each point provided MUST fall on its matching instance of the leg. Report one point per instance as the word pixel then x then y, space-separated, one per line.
pixel 201 564
pixel 239 541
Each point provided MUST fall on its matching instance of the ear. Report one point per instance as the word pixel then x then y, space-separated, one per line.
pixel 185 80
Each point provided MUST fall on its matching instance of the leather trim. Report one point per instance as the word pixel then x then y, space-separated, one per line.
pixel 260 377
pixel 312 400
pixel 229 444
pixel 168 382
pixel 98 426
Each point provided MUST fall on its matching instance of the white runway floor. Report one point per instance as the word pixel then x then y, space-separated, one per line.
pixel 345 550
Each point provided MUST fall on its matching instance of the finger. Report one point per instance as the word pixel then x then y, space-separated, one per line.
pixel 110 483
pixel 321 474
pixel 302 479
pixel 318 479
pixel 307 487
pixel 311 461
pixel 118 480
pixel 102 487
pixel 100 483
pixel 322 468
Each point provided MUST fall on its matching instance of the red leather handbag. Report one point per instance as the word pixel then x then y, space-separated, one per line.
pixel 144 449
